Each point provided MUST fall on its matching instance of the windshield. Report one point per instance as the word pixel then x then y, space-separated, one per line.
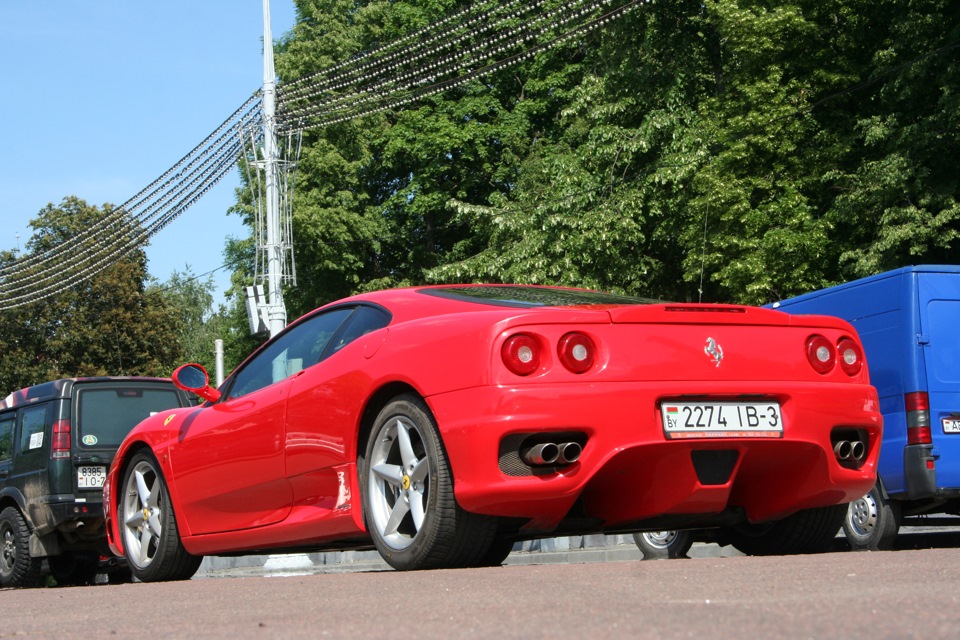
pixel 106 415
pixel 522 296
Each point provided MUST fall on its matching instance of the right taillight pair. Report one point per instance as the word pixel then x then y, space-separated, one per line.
pixel 824 355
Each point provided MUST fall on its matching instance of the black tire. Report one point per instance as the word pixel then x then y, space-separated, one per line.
pixel 407 490
pixel 17 568
pixel 807 531
pixel 148 525
pixel 872 522
pixel 74 569
pixel 664 545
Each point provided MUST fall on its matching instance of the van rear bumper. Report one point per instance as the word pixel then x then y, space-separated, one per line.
pixel 920 473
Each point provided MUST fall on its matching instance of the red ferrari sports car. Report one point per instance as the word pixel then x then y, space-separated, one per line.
pixel 441 424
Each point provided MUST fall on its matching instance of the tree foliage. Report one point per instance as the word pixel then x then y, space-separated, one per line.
pixel 113 324
pixel 733 150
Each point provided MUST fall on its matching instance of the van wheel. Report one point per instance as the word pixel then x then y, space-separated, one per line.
pixel 807 531
pixel 17 568
pixel 151 542
pixel 872 522
pixel 662 545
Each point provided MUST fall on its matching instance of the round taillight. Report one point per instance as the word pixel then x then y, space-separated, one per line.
pixel 576 352
pixel 850 355
pixel 820 353
pixel 521 354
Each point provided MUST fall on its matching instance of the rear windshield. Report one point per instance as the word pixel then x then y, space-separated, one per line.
pixel 521 296
pixel 106 415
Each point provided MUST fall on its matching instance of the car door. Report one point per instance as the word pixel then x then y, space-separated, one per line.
pixel 229 461
pixel 324 405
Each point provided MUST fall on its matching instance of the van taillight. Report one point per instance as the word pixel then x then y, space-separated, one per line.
pixel 60 446
pixel 918 418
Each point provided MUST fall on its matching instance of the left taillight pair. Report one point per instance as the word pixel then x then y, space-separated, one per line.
pixel 824 355
pixel 522 353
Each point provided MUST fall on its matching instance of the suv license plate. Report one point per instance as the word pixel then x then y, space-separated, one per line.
pixel 91 477
pixel 722 419
pixel 951 425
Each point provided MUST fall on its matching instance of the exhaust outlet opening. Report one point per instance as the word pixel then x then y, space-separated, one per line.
pixel 849 447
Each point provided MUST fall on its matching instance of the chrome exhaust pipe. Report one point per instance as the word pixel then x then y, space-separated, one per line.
pixel 569 452
pixel 843 450
pixel 857 450
pixel 541 454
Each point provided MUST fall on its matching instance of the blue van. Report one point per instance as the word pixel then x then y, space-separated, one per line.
pixel 909 322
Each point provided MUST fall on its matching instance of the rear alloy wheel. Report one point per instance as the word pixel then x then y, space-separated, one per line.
pixel 151 542
pixel 17 568
pixel 408 500
pixel 663 545
pixel 872 522
pixel 807 531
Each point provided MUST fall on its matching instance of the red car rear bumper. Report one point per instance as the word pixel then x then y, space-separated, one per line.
pixel 630 472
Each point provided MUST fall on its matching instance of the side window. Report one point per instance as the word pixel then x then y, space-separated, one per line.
pixel 33 422
pixel 6 436
pixel 363 321
pixel 291 352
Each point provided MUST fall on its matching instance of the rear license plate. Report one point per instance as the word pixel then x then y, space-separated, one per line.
pixel 91 477
pixel 722 419
pixel 951 425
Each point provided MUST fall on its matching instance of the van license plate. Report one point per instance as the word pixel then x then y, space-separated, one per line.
pixel 951 425
pixel 91 477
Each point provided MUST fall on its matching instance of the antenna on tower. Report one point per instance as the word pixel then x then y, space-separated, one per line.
pixel 272 187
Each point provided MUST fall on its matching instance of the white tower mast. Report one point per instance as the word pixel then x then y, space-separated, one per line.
pixel 276 310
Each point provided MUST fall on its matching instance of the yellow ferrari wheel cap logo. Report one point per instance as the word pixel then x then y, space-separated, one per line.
pixel 405 483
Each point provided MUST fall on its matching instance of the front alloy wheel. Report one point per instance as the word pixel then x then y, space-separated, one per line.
pixel 151 542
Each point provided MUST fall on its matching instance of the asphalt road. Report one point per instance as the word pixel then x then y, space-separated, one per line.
pixel 897 594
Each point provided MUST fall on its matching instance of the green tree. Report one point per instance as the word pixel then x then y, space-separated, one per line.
pixel 198 324
pixel 110 324
pixel 734 150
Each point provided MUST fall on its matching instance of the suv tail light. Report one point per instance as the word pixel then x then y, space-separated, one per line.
pixel 918 418
pixel 60 446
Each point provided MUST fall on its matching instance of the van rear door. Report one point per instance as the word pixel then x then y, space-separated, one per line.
pixel 939 305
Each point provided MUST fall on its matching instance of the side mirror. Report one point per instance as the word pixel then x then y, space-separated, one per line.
pixel 194 378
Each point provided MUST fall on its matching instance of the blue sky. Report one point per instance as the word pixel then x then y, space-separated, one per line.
pixel 100 97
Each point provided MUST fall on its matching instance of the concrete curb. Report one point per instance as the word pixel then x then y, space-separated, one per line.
pixel 577 550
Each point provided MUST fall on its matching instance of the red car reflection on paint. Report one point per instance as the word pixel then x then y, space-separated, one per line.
pixel 442 424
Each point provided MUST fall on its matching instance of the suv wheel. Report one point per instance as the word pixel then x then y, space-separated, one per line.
pixel 17 568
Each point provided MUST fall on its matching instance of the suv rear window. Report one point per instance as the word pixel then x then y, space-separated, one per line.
pixel 106 415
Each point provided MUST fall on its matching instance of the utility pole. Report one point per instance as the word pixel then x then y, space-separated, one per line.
pixel 276 310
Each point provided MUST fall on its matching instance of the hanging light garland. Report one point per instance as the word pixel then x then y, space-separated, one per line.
pixel 478 40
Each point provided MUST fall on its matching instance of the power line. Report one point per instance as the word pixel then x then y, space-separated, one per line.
pixel 429 61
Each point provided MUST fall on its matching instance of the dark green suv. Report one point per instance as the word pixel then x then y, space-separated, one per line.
pixel 57 440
